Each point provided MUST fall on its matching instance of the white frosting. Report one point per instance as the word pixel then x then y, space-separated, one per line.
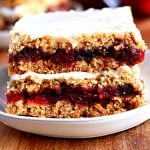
pixel 74 23
pixel 75 75
pixel 121 71
pixel 135 70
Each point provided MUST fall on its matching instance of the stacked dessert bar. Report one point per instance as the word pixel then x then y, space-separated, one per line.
pixel 75 64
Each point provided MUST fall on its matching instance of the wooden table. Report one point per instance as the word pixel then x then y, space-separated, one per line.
pixel 137 138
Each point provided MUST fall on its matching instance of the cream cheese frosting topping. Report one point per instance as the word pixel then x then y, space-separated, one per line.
pixel 75 23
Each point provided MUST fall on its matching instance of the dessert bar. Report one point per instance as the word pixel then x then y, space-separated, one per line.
pixel 75 64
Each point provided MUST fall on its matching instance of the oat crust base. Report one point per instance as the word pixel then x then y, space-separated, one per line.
pixel 63 109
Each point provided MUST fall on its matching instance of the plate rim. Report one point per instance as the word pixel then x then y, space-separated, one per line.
pixel 122 115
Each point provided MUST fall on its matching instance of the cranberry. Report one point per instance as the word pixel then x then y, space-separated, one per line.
pixel 14 97
pixel 38 99
pixel 76 95
pixel 27 54
pixel 126 55
pixel 62 58
pixel 131 56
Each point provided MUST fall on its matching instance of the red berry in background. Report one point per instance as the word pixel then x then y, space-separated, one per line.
pixel 145 6
pixel 141 8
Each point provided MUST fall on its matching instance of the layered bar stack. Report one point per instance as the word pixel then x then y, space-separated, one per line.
pixel 75 64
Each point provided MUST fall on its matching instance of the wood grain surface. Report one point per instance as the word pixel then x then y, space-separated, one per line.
pixel 134 139
pixel 137 138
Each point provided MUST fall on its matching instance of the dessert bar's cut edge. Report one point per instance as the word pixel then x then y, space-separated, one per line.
pixel 75 94
pixel 122 55
pixel 90 28
pixel 64 109
pixel 93 51
pixel 98 40
pixel 33 81
pixel 39 95
pixel 75 64
pixel 96 65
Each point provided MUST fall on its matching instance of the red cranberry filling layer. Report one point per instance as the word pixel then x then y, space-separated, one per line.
pixel 76 95
pixel 127 55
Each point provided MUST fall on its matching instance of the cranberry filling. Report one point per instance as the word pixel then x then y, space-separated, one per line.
pixel 62 58
pixel 127 55
pixel 76 95
pixel 30 54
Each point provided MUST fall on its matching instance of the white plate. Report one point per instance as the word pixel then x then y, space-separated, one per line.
pixel 81 127
pixel 4 39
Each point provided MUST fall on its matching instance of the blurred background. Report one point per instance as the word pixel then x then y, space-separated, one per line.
pixel 13 10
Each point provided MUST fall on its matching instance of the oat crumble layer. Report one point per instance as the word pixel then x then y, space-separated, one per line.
pixel 41 66
pixel 51 45
pixel 66 110
pixel 48 67
pixel 122 75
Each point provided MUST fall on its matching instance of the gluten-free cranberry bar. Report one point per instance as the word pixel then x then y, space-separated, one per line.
pixel 75 64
